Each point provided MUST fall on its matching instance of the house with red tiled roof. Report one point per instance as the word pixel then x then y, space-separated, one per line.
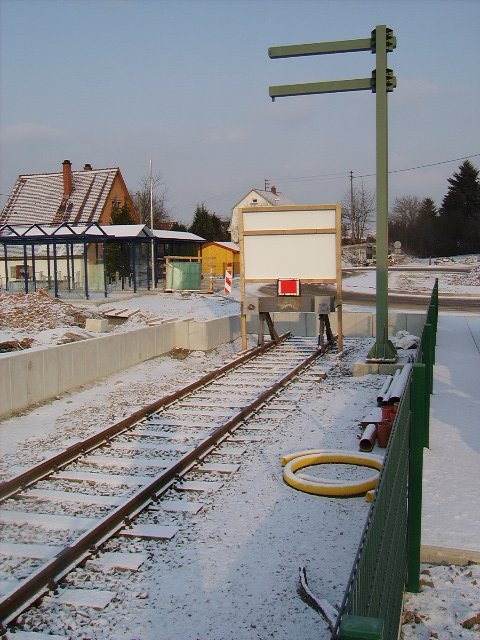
pixel 72 197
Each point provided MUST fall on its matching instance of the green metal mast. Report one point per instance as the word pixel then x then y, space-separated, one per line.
pixel 383 349
pixel 381 83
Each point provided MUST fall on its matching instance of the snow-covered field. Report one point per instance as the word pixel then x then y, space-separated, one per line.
pixel 231 573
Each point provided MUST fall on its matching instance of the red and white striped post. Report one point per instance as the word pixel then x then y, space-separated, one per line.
pixel 228 279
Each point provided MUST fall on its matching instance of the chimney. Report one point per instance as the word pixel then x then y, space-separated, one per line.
pixel 87 167
pixel 273 189
pixel 67 179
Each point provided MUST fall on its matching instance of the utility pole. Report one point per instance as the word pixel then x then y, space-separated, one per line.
pixel 352 208
pixel 154 279
pixel 381 82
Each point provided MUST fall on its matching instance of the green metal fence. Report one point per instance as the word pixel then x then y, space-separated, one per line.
pixel 388 557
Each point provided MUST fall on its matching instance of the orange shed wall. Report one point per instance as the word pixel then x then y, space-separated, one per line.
pixel 221 256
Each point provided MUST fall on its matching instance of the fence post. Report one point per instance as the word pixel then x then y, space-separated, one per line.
pixel 431 320
pixel 427 355
pixel 361 628
pixel 418 424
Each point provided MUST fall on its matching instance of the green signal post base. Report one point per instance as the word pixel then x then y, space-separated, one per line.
pixel 382 352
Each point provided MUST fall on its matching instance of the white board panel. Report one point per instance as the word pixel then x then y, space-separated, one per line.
pixel 286 220
pixel 308 257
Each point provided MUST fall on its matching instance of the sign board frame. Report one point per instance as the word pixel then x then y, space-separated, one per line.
pixel 294 241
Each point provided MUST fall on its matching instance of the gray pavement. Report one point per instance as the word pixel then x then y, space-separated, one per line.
pixel 451 476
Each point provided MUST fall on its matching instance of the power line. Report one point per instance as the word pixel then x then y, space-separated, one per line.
pixel 423 166
pixel 338 176
pixel 369 175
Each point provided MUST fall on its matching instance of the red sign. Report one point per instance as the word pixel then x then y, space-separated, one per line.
pixel 288 287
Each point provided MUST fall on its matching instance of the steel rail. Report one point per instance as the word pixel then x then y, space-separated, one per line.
pixel 48 575
pixel 10 487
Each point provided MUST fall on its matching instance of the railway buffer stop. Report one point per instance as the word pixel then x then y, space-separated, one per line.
pixel 287 256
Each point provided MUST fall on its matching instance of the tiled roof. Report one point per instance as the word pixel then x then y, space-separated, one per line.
pixel 38 198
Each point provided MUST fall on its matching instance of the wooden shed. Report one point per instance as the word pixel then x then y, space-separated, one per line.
pixel 218 255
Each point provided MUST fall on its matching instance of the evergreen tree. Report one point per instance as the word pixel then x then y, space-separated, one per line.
pixel 426 229
pixel 114 263
pixel 178 226
pixel 121 214
pixel 209 226
pixel 459 220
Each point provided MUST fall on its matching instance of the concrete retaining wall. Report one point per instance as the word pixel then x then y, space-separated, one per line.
pixel 37 375
pixel 34 376
pixel 361 323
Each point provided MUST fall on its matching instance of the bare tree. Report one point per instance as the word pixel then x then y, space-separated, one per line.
pixel 358 212
pixel 403 223
pixel 141 199
pixel 405 210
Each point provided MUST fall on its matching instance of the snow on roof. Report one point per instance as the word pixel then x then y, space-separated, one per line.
pixel 274 198
pixel 231 246
pixel 39 198
pixel 124 230
pixel 186 236
pixel 115 230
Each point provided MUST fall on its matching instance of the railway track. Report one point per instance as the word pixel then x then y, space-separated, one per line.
pixel 60 512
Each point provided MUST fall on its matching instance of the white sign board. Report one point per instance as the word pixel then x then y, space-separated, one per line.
pixel 298 241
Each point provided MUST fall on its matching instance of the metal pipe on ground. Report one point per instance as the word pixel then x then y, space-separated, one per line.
pixel 367 441
pixel 388 393
pixel 384 390
pixel 398 386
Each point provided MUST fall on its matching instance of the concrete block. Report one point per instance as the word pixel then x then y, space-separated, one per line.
pixel 182 335
pixel 146 344
pixel 364 368
pixel 415 323
pixel 388 369
pixel 99 325
pixel 354 323
pixel 126 351
pixel 107 355
pixel 18 381
pixel 50 372
pixel 300 324
pixel 5 377
pixel 396 322
pixel 197 336
pixel 65 367
pixel 35 379
pixel 84 362
pixel 164 338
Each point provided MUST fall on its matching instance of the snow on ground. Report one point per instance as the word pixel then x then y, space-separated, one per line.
pixel 239 556
pixel 231 573
pixel 43 321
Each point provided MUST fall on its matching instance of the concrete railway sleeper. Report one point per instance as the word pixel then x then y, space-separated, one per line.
pixel 196 414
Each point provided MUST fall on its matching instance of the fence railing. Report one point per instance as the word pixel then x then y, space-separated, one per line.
pixel 388 557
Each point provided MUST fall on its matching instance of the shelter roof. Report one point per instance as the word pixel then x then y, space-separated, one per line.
pixel 183 236
pixel 38 232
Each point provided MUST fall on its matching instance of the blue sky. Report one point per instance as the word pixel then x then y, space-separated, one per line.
pixel 185 84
